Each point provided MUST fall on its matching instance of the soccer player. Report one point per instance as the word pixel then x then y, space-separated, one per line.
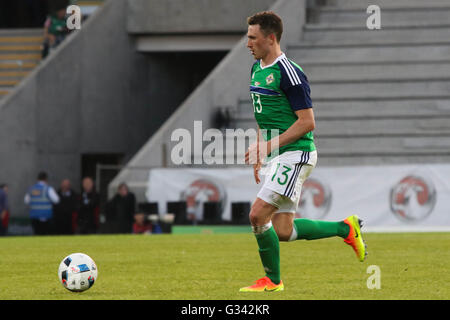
pixel 281 101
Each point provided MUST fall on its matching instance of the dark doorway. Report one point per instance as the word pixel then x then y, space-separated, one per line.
pixel 109 165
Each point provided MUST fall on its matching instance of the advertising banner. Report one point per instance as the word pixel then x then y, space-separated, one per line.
pixel 397 197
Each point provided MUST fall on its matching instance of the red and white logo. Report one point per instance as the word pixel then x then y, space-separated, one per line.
pixel 201 191
pixel 413 198
pixel 315 199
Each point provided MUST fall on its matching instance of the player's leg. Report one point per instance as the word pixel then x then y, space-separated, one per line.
pixel 269 247
pixel 283 225
pixel 348 229
pixel 290 229
pixel 317 229
pixel 308 229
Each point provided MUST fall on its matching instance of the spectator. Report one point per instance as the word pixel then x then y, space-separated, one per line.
pixel 66 210
pixel 40 199
pixel 4 210
pixel 120 211
pixel 141 224
pixel 55 30
pixel 88 214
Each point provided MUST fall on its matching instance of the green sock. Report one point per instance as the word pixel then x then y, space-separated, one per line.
pixel 316 229
pixel 269 251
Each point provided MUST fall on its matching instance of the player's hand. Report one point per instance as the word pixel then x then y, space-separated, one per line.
pixel 256 168
pixel 256 153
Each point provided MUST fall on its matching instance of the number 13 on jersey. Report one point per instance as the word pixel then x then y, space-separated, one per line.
pixel 257 106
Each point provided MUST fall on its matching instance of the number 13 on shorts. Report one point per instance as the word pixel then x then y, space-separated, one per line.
pixel 282 179
pixel 281 174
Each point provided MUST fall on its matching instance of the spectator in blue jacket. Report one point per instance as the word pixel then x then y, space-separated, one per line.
pixel 40 198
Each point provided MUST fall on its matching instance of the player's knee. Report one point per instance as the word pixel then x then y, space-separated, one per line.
pixel 257 220
pixel 254 218
pixel 260 213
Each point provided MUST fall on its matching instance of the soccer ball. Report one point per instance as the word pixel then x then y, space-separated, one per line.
pixel 77 272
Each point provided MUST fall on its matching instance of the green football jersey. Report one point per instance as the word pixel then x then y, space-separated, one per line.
pixel 277 91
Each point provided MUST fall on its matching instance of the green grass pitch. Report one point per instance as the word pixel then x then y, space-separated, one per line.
pixel 215 266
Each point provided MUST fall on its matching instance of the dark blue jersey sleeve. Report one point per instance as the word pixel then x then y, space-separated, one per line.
pixel 295 86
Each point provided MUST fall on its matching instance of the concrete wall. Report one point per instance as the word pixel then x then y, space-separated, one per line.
pixel 191 16
pixel 90 96
pixel 96 94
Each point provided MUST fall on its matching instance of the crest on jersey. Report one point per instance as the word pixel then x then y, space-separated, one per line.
pixel 413 198
pixel 269 78
pixel 257 83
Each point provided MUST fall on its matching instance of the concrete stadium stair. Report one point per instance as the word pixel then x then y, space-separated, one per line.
pixel 20 53
pixel 380 96
pixel 395 12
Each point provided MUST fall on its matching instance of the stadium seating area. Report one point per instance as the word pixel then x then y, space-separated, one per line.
pixel 380 96
pixel 20 52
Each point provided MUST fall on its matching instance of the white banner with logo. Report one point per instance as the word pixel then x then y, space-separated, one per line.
pixel 397 197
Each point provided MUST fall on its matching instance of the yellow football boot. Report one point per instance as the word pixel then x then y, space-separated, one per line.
pixel 354 237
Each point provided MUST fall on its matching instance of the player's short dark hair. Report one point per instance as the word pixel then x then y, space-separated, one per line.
pixel 269 22
pixel 42 176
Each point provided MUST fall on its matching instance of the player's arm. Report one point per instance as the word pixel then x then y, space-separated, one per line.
pixel 304 124
pixel 297 92
pixel 252 156
pixel 257 165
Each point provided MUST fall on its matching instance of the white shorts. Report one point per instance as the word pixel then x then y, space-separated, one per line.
pixel 283 179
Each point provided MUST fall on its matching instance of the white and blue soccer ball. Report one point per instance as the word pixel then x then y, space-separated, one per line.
pixel 77 272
